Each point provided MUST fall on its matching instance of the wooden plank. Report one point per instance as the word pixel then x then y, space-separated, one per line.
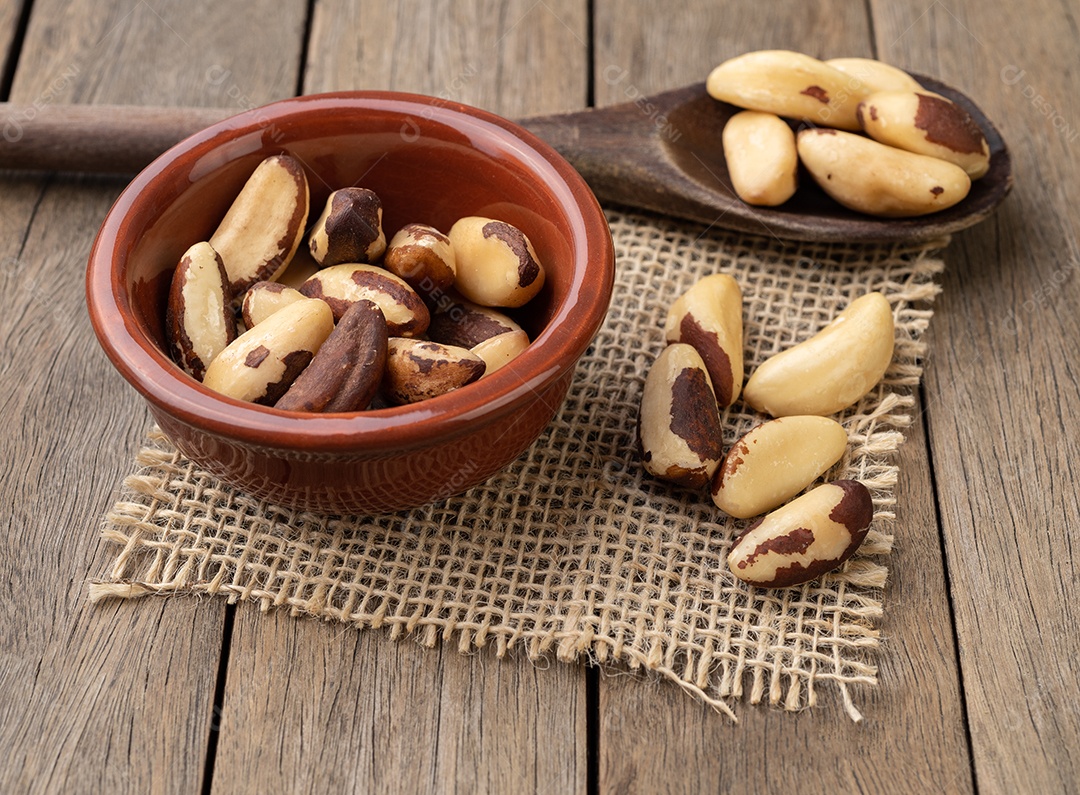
pixel 1003 391
pixel 9 24
pixel 116 698
pixel 380 715
pixel 514 58
pixel 655 738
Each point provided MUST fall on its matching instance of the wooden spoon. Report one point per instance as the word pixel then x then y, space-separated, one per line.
pixel 659 153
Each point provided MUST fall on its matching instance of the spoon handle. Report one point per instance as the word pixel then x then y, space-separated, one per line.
pixel 119 139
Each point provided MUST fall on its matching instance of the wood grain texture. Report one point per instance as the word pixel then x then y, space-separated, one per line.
pixel 355 710
pixel 115 698
pixel 653 738
pixel 1003 389
pixel 514 58
pixel 10 13
pixel 316 707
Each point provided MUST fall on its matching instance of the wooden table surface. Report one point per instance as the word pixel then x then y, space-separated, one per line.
pixel 979 686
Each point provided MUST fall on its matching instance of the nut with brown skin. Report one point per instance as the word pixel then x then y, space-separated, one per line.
pixel 804 539
pixel 679 425
pixel 341 286
pixel 831 370
pixel 876 179
pixel 262 363
pixel 466 324
pixel 199 322
pixel 927 124
pixel 264 299
pixel 417 370
pixel 759 149
pixel 708 316
pixel 774 462
pixel 500 350
pixel 263 227
pixel 346 372
pixel 496 263
pixel 788 84
pixel 423 257
pixel 349 229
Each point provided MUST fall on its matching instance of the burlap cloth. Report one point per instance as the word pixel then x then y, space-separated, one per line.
pixel 575 550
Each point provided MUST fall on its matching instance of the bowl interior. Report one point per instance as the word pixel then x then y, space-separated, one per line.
pixel 429 161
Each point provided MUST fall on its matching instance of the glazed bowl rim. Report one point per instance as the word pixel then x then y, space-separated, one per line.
pixel 555 350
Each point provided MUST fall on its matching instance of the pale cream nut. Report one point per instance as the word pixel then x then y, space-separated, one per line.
pixel 789 84
pixel 927 125
pixel 343 285
pixel 761 158
pixel 349 229
pixel 264 299
pixel 263 227
pixel 500 350
pixel 804 539
pixel 199 322
pixel 418 370
pixel 679 424
pixel 774 462
pixel 876 179
pixel 871 75
pixel 708 316
pixel 496 263
pixel 831 370
pixel 423 257
pixel 261 364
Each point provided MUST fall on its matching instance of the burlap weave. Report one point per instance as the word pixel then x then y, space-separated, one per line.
pixel 574 549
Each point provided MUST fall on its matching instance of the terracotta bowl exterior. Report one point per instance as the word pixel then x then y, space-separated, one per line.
pixel 430 161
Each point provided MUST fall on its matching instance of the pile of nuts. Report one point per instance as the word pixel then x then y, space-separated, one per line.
pixel 700 373
pixel 358 321
pixel 878 142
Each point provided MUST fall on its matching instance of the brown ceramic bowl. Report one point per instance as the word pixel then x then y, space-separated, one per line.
pixel 430 161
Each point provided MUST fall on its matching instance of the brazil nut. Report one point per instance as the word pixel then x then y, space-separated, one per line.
pixel 265 223
pixel 417 369
pixel 262 363
pixel 873 178
pixel 762 161
pixel 927 125
pixel 872 75
pixel 774 462
pixel 199 321
pixel 349 229
pixel 804 539
pixel 346 371
pixel 788 84
pixel 708 316
pixel 500 350
pixel 679 424
pixel 423 257
pixel 264 299
pixel 831 370
pixel 466 324
pixel 496 263
pixel 341 286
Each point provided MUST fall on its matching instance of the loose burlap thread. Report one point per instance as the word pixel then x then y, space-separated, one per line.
pixel 574 550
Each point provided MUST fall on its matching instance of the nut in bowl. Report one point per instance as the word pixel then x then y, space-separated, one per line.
pixel 430 162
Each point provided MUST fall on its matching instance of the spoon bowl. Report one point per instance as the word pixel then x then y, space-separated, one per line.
pixel 665 154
